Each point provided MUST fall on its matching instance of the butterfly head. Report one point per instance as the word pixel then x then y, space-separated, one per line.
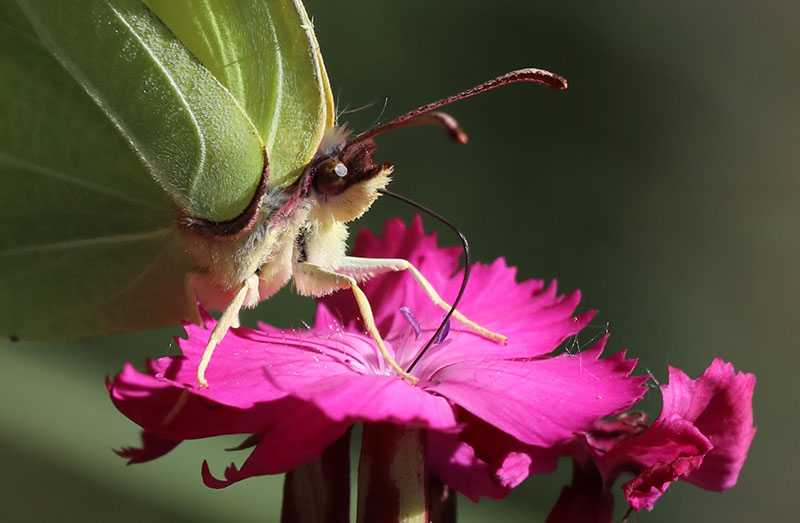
pixel 343 164
pixel 344 178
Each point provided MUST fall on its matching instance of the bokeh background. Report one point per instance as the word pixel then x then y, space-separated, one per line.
pixel 664 184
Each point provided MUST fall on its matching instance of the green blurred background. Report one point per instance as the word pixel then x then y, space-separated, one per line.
pixel 663 184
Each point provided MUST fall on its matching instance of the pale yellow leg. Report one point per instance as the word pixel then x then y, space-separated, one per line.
pixel 229 318
pixel 365 268
pixel 328 280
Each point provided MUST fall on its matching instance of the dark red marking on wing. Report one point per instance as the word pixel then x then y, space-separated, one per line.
pixel 236 227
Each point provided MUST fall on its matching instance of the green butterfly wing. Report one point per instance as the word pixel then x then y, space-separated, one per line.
pixel 113 128
pixel 266 54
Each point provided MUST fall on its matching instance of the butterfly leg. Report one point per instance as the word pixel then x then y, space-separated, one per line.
pixel 314 280
pixel 229 318
pixel 365 268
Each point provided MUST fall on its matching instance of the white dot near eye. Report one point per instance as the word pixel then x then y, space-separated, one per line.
pixel 340 170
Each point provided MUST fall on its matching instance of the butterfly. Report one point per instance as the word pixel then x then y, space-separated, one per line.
pixel 157 156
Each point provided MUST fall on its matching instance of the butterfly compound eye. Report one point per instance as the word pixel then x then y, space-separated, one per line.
pixel 331 177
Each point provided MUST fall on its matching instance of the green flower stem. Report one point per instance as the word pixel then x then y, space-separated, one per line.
pixel 392 475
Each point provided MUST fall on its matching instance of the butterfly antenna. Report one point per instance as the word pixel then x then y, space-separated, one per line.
pixel 424 115
pixel 465 245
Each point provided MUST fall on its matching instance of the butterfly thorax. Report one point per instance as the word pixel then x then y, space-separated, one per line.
pixel 302 223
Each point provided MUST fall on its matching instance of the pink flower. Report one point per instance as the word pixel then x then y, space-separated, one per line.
pixel 702 436
pixel 494 413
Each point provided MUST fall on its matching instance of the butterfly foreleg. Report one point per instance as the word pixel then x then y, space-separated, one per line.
pixel 363 269
pixel 229 318
pixel 314 280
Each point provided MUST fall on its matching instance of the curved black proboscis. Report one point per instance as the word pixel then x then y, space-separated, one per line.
pixel 463 282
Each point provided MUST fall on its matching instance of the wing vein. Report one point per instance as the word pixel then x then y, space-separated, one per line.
pixel 269 137
pixel 86 242
pixel 63 177
pixel 201 154
pixel 229 54
pixel 87 86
